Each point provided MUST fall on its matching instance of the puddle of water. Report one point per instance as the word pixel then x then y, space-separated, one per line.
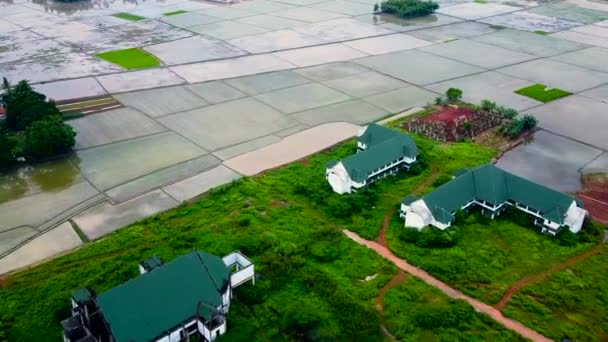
pixel 30 179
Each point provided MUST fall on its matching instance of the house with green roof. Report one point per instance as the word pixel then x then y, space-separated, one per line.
pixel 166 302
pixel 493 190
pixel 380 152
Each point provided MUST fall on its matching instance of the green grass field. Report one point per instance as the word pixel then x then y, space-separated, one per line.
pixel 128 16
pixel 540 92
pixel 168 14
pixel 415 313
pixel 311 278
pixel 571 304
pixel 130 58
pixel 488 256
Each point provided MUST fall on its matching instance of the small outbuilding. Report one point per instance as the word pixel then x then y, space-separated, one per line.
pixel 380 152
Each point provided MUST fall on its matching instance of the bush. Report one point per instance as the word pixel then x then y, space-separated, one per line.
pixel 376 8
pixel 432 316
pixel 440 101
pixel 488 105
pixel 7 150
pixel 441 180
pixel 516 126
pixel 410 235
pixel 506 112
pixel 409 8
pixel 24 106
pixel 436 238
pixel 529 121
pixel 454 94
pixel 49 137
pixel 567 238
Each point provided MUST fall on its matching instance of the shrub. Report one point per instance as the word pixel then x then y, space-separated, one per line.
pixel 24 106
pixel 7 148
pixel 49 137
pixel 409 234
pixel 376 8
pixel 441 180
pixel 506 112
pixel 454 94
pixel 440 101
pixel 409 8
pixel 567 238
pixel 488 105
pixel 434 316
pixel 529 121
pixel 436 238
pixel 590 232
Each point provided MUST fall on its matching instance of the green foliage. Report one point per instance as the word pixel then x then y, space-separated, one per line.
pixel 168 14
pixel 130 58
pixel 540 92
pixel 488 105
pixel 128 16
pixel 414 313
pixel 49 137
pixel 7 149
pixel 409 8
pixel 506 112
pixel 442 179
pixel 25 106
pixel 440 101
pixel 568 304
pixel 515 127
pixel 567 238
pixel 376 8
pixel 453 94
pixel 486 256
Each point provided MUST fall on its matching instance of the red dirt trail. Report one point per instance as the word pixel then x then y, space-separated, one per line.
pixel 443 287
pixel 530 279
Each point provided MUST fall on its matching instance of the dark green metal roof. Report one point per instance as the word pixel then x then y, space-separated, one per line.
pixel 156 302
pixel 493 185
pixel 384 146
pixel 409 199
pixel 81 295
pixel 151 263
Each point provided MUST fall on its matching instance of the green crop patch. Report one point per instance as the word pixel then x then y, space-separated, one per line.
pixel 128 16
pixel 168 14
pixel 130 58
pixel 541 32
pixel 541 93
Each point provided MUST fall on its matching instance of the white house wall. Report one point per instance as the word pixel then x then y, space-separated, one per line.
pixel 339 179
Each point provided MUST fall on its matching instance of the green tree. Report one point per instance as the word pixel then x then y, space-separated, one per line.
pixel 49 137
pixel 454 95
pixel 529 121
pixel 25 106
pixel 7 149
pixel 488 105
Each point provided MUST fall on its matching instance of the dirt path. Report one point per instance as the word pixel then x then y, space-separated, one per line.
pixel 443 287
pixel 381 239
pixel 396 280
pixel 536 277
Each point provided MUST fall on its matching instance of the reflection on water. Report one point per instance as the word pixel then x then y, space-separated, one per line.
pixel 395 20
pixel 68 8
pixel 30 179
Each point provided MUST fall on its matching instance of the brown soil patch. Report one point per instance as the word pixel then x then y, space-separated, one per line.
pixel 531 279
pixel 381 239
pixel 595 196
pixel 305 162
pixel 449 114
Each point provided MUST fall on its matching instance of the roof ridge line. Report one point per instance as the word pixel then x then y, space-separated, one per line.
pixel 207 269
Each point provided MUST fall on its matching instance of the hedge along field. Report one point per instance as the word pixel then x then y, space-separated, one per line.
pixel 572 303
pixel 415 313
pixel 311 283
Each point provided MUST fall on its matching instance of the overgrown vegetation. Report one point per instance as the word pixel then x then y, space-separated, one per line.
pixel 540 93
pixel 133 58
pixel 570 304
pixel 514 125
pixel 415 313
pixel 311 283
pixel 483 256
pixel 128 16
pixel 409 8
pixel 33 128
